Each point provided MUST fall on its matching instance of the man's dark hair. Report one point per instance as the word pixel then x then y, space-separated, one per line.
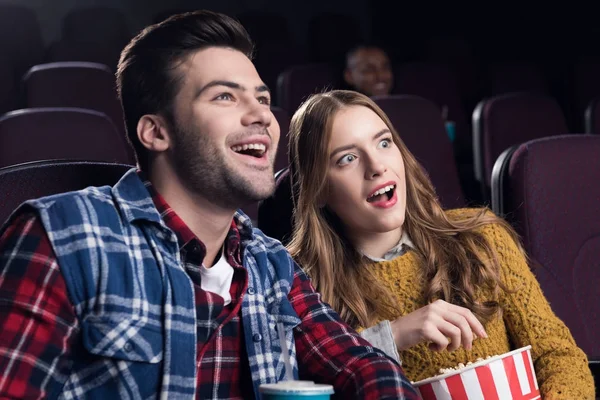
pixel 147 81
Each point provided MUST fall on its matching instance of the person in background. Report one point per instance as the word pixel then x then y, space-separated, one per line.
pixel 433 288
pixel 368 70
pixel 157 287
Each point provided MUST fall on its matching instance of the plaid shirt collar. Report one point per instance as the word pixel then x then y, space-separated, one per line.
pixel 156 209
pixel 133 190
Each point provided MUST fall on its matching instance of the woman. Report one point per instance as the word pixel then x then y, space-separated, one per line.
pixel 370 231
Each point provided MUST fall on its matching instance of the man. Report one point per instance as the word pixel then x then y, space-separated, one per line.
pixel 368 70
pixel 156 287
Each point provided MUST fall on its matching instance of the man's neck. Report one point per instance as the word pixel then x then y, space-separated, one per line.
pixel 209 222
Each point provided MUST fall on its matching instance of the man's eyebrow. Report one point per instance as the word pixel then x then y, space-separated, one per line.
pixel 232 85
pixel 229 84
pixel 263 88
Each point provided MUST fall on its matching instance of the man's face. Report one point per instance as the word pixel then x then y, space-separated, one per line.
pixel 368 70
pixel 224 136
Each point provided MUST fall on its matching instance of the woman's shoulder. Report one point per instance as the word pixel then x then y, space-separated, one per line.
pixel 500 237
pixel 459 214
pixel 494 228
pixel 469 213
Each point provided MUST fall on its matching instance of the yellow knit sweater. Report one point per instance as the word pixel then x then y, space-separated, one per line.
pixel 527 319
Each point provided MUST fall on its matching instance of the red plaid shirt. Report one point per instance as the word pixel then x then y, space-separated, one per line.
pixel 39 330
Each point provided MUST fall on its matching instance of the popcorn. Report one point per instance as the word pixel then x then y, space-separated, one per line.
pixel 460 366
pixel 510 376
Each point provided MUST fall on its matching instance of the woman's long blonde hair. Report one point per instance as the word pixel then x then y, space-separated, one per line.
pixel 456 258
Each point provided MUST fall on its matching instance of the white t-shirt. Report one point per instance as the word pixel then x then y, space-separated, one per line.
pixel 217 279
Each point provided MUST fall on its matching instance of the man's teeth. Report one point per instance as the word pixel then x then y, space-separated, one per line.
pixel 251 146
pixel 382 190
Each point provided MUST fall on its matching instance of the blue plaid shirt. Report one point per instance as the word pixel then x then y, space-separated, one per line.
pixel 122 268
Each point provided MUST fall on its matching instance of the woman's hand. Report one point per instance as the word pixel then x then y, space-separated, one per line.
pixel 443 324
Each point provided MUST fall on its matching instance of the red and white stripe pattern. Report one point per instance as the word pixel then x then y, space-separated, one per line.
pixel 507 378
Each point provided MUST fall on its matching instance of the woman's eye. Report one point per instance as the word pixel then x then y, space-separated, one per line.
pixel 385 143
pixel 348 158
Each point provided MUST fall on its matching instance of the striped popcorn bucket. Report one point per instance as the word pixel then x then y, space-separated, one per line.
pixel 508 376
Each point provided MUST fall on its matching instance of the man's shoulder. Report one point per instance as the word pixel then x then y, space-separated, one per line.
pixel 72 198
pixel 270 255
pixel 270 244
pixel 128 189
pixel 66 203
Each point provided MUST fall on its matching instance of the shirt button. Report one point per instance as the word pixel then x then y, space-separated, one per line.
pixel 128 347
pixel 251 290
pixel 257 337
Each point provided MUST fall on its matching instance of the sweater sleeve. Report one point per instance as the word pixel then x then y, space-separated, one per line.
pixel 561 367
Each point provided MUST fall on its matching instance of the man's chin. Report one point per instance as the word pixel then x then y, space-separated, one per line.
pixel 256 189
pixel 259 195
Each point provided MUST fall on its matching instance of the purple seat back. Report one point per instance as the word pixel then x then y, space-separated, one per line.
pixel 457 54
pixel 511 77
pixel 503 121
pixel 275 213
pixel 272 58
pixel 274 53
pixel 592 117
pixel 550 193
pixel 447 48
pixel 74 84
pixel 585 87
pixel 96 25
pixel 8 91
pixel 59 133
pixel 331 35
pixel 87 52
pixel 43 178
pixel 297 83
pixel 436 83
pixel 419 124
pixel 283 119
pixel 21 41
pixel 261 25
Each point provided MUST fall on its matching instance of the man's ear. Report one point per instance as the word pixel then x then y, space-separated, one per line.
pixel 153 133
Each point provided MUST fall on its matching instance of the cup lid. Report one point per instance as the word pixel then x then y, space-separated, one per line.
pixel 295 387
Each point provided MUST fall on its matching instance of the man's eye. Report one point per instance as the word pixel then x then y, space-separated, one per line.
pixel 224 96
pixel 264 100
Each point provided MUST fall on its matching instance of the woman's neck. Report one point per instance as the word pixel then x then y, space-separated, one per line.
pixel 374 244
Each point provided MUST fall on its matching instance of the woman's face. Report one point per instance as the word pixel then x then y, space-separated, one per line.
pixel 366 180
